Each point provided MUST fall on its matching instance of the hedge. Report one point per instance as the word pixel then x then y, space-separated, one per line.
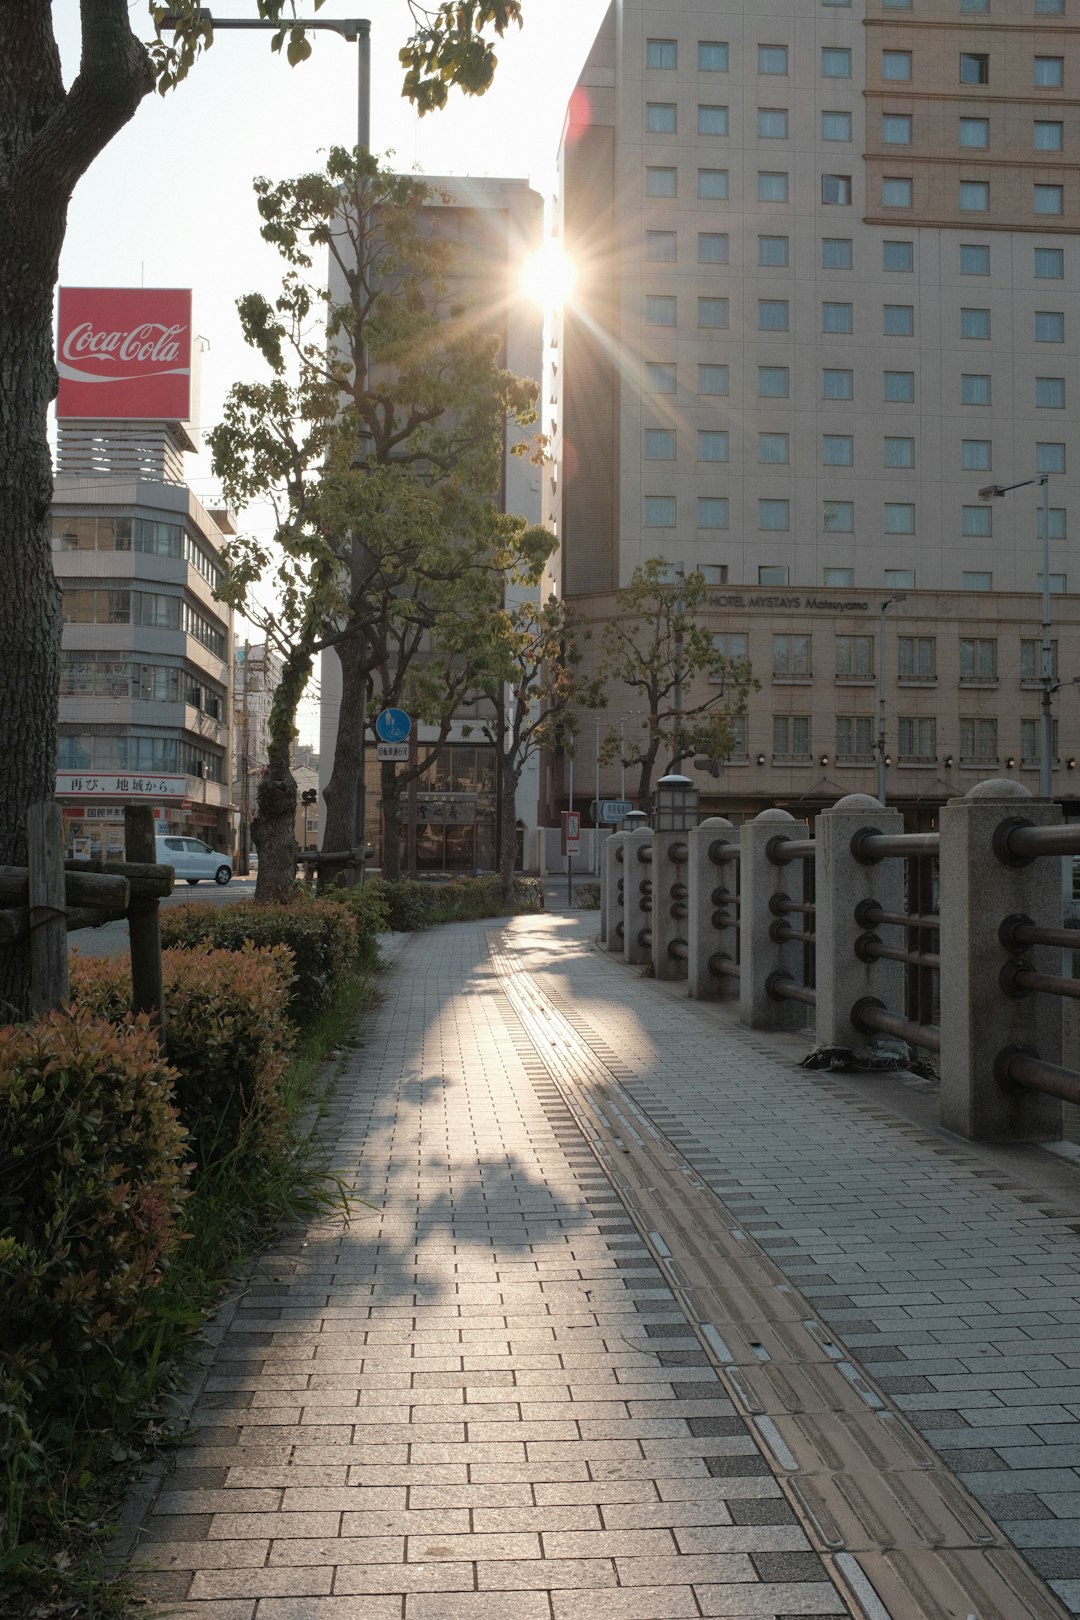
pixel 408 905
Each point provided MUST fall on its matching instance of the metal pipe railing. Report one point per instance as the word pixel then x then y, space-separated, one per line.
pixel 719 851
pixel 1019 842
pixel 1021 979
pixel 869 1016
pixel 782 987
pixel 782 851
pixel 868 948
pixel 868 914
pixel 1017 932
pixel 722 967
pixel 1019 1067
pixel 869 846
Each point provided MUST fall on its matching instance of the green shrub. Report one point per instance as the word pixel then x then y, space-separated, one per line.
pixel 93 1171
pixel 412 905
pixel 323 939
pixel 227 1035
pixel 370 904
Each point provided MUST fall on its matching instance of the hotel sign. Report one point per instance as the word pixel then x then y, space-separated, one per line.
pixel 817 604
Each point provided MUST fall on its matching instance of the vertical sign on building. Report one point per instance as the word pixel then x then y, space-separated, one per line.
pixel 124 352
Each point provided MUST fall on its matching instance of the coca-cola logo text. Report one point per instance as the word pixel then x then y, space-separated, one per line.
pixel 150 342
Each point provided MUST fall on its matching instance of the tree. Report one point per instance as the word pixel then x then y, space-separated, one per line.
pixel 49 136
pixel 379 438
pixel 531 679
pixel 655 645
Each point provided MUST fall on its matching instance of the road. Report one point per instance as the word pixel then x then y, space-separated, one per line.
pixel 112 938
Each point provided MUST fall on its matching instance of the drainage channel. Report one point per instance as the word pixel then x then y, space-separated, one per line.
pixel 900 1535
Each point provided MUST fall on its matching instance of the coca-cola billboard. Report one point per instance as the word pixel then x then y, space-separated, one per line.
pixel 124 352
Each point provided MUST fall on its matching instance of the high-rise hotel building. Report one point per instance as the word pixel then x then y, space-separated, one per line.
pixel 828 260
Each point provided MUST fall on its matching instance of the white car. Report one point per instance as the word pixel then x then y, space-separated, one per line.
pixel 190 858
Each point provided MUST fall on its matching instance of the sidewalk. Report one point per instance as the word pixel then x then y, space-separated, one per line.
pixel 644 1318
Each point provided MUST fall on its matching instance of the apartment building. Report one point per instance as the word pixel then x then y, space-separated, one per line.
pixel 827 262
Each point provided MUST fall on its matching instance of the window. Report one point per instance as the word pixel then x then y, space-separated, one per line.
pixel 896 129
pixel 900 579
pixel 898 255
pixel 1049 72
pixel 772 382
pixel 772 186
pixel 974 132
pixel 976 522
pixel 1049 326
pixel 659 444
pixel 895 192
pixel 712 120
pixel 661 247
pixel 838 517
pixel 899 517
pixel 975 455
pixel 916 658
pixel 772 514
pixel 1049 264
pixel 1031 660
pixel 835 62
pixel 1049 135
pixel 711 445
pixel 712 379
pixel 975 67
pixel 836 188
pixel 977 581
pixel 838 579
pixel 896 5
pixel 772 448
pixel 772 315
pixel 855 655
pixel 772 574
pixel 163 612
pixel 837 450
pixel 659 377
pixel 712 312
pixel 917 738
pixel 978 659
pixel 661 53
pixel 836 317
pixel 899 452
pixel 974 259
pixel 660 117
pixel 1049 458
pixel 896 65
pixel 854 735
pixel 836 126
pixel 978 741
pixel 1058 583
pixel 660 310
pixel 899 387
pixel 772 123
pixel 732 645
pixel 659 511
pixel 791 736
pixel 1050 393
pixel 772 250
pixel 712 512
pixel 1050 8
pixel 1048 199
pixel 712 56
pixel 974 5
pixel 772 58
pixel 836 253
pixel 791 655
pixel 1057 523
pixel 898 320
pixel 836 384
pixel 714 574
pixel 660 183
pixel 974 388
pixel 712 184
pixel 974 196
pixel 974 323
pixel 712 247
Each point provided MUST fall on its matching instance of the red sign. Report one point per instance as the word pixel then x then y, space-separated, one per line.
pixel 124 352
pixel 571 832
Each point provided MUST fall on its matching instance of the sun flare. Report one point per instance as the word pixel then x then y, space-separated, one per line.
pixel 548 277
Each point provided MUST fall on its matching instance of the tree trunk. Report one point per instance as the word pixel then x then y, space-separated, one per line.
pixel 274 826
pixel 393 821
pixel 47 140
pixel 508 821
pixel 342 795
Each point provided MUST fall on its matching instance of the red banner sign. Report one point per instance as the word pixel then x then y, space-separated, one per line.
pixel 124 352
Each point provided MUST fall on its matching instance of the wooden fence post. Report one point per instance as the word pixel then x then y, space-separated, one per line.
pixel 144 924
pixel 48 917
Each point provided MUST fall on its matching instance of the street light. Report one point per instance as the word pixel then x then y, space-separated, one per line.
pixel 992 492
pixel 881 760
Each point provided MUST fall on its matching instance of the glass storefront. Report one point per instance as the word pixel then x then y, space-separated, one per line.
pixel 450 812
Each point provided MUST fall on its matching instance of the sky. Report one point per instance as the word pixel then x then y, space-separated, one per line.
pixel 169 203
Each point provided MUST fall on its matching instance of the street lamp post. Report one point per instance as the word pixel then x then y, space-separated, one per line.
pixel 1046 673
pixel 882 788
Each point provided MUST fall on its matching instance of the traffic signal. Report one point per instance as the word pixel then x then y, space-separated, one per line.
pixel 309 796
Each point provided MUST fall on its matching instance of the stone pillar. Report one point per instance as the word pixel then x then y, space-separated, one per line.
pixel 842 882
pixel 706 881
pixel 670 914
pixel 635 872
pixel 978 1017
pixel 760 954
pixel 611 870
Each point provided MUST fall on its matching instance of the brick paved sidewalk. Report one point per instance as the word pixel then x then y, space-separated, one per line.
pixel 484 1398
